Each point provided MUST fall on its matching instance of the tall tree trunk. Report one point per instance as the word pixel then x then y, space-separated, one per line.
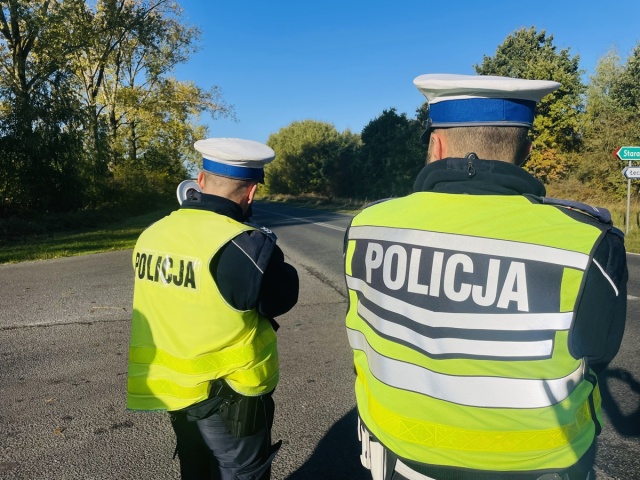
pixel 133 143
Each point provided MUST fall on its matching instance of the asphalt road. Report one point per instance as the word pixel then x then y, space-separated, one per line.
pixel 64 327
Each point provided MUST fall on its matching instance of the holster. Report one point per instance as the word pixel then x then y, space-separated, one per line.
pixel 242 415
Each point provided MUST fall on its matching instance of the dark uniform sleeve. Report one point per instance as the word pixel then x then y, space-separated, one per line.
pixel 596 333
pixel 250 272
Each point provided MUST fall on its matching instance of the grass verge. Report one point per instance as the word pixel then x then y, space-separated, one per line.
pixel 102 236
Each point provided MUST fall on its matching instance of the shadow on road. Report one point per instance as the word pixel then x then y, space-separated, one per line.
pixel 337 456
pixel 624 422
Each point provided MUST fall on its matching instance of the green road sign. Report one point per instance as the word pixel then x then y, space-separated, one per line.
pixel 627 153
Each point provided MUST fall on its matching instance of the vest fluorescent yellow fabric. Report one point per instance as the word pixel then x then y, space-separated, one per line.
pixel 459 314
pixel 183 333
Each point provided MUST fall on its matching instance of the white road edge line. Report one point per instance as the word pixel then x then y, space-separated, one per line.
pixel 304 220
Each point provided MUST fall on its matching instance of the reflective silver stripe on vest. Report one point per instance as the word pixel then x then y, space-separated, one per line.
pixel 457 346
pixel 487 246
pixel 477 321
pixel 473 391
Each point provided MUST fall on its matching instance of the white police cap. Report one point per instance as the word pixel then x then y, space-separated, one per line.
pixel 235 157
pixel 476 100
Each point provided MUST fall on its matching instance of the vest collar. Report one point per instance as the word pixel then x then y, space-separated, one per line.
pixel 476 177
pixel 216 204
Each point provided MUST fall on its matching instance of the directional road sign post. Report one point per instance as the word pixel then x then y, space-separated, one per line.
pixel 629 154
pixel 631 172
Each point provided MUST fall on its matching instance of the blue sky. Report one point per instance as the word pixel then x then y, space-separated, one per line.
pixel 344 62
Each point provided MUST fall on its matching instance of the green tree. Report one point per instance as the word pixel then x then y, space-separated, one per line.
pixel 611 120
pixel 391 156
pixel 153 118
pixel 530 54
pixel 311 157
pixel 39 144
pixel 139 73
pixel 87 85
pixel 161 131
pixel 338 170
pixel 143 121
pixel 99 30
pixel 625 90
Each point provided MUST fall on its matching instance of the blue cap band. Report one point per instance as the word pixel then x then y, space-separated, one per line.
pixel 232 171
pixel 482 111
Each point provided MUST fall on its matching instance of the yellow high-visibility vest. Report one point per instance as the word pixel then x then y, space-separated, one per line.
pixel 184 334
pixel 460 309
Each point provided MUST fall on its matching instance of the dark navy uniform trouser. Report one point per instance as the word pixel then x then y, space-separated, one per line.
pixel 208 451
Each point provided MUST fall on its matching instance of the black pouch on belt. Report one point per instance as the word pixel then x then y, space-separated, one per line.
pixel 243 416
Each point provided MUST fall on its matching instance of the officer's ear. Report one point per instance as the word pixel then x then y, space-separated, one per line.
pixel 525 154
pixel 201 177
pixel 251 191
pixel 437 147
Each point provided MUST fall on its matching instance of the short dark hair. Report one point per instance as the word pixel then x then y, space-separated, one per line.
pixel 509 144
pixel 230 186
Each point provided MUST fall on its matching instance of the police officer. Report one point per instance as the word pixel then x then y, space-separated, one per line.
pixel 203 345
pixel 481 311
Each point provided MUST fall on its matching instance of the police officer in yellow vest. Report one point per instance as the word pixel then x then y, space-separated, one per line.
pixel 481 311
pixel 203 345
